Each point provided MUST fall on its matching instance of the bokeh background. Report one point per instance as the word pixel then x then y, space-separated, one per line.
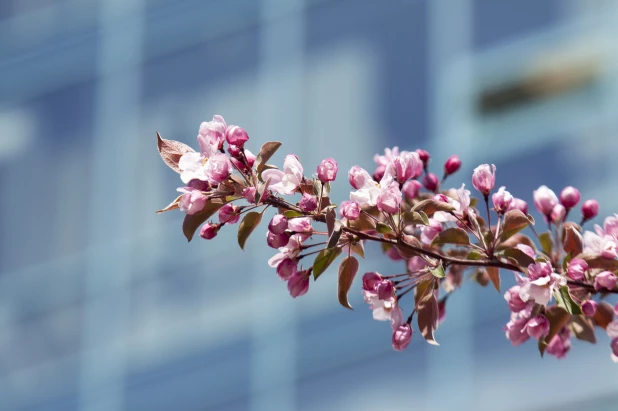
pixel 104 305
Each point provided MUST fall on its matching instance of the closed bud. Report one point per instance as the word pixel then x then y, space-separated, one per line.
pixel 569 197
pixel 209 231
pixel 424 156
pixel 229 214
pixel 300 225
pixel 407 165
pixel 249 194
pixel 544 200
pixel 359 177
pixel 577 269
pixel 389 199
pixel 431 182
pixel 452 164
pixel 350 210
pixel 286 268
pixel 385 289
pixel 589 308
pixel 234 151
pixel 605 280
pixel 379 172
pixel 484 178
pixel 590 209
pixel 327 170
pixel 278 224
pixel 538 327
pixel 557 214
pixel 371 280
pixel 250 157
pixel 402 336
pixel 277 240
pixel 308 203
pixel 411 189
pixel 236 136
pixel 298 284
pixel 502 200
pixel 518 204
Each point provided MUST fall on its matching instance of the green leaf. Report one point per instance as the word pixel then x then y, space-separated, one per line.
pixel 323 260
pixel 522 259
pixel 246 227
pixel 514 221
pixel 452 236
pixel 564 300
pixel 475 256
pixel 583 329
pixel 558 318
pixel 347 271
pixel 437 272
pixel 494 276
pixel 383 229
pixel 266 152
pixel 291 214
pixel 335 235
pixel 565 263
pixel 427 314
pixel 547 243
pixel 430 206
pixel 192 222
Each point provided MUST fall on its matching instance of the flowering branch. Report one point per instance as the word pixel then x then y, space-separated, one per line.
pixel 564 279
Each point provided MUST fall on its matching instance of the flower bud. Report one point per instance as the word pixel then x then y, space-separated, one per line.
pixel 559 346
pixel 298 284
pixel 402 336
pixel 516 332
pixel 286 268
pixel 589 307
pixel 250 158
pixel 516 304
pixel 590 209
pixel 308 203
pixel 379 172
pixel 389 199
pixel 407 165
pixel 229 214
pixel 358 177
pixel 616 309
pixel 327 170
pixel 538 327
pixel 518 204
pixel 236 136
pixel 371 280
pixel 484 178
pixel 502 200
pixel 452 164
pixel 393 254
pixel 569 197
pixel 411 189
pixel 277 240
pixel 431 182
pixel 385 289
pixel 218 167
pixel 350 210
pixel 234 151
pixel 249 194
pixel 278 224
pixel 192 201
pixel 557 214
pixel 544 200
pixel 424 156
pixel 614 346
pixel 577 268
pixel 209 231
pixel 605 280
pixel 300 225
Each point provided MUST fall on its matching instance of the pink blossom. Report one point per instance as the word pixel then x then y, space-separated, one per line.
pixel 610 226
pixel 484 178
pixel 416 264
pixel 349 210
pixel 515 330
pixel 379 173
pixel 308 203
pixel 516 304
pixel 192 167
pixel 234 151
pixel 236 136
pixel 368 190
pixel 431 182
pixel 569 197
pixel 605 280
pixel 300 225
pixel 557 214
pixel 452 164
pixel 612 329
pixel 407 165
pixel 250 158
pixel 383 308
pixel 605 245
pixel 560 345
pixel 298 284
pixel 385 289
pixel 288 180
pixel 411 189
pixel 589 307
pixel 389 199
pixel 538 270
pixel 327 170
pixel 211 135
pixel 286 268
pixel 290 250
pixel 518 204
pixel 527 250
pixel 429 232
pixel 402 337
pixel 590 209
pixel 278 224
pixel 370 280
pixel 616 309
pixel 218 168
pixel 359 178
pixel 388 157
pixel 192 200
pixel 537 327
pixel 248 194
pixel 277 240
pixel 502 200
pixel 209 231
pixel 544 200
pixel 393 254
pixel 577 269
pixel 540 285
pixel 229 214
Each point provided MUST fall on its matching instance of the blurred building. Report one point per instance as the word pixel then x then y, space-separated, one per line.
pixel 103 304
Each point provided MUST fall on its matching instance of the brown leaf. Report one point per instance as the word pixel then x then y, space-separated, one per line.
pixel 192 222
pixel 171 151
pixel 572 241
pixel 583 329
pixel 347 271
pixel 522 259
pixel 452 235
pixel 430 206
pixel 494 276
pixel 427 312
pixel 246 227
pixel 596 261
pixel 514 221
pixel 172 206
pixel 331 217
pixel 604 314
pixel 558 318
pixel 266 152
pixel 517 239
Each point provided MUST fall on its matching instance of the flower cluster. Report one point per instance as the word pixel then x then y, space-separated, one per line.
pixel 565 276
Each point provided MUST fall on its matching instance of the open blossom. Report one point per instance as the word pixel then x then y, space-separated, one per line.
pixel 515 329
pixel 211 135
pixel 327 170
pixel 541 283
pixel 537 327
pixel 379 296
pixel 605 280
pixel 429 232
pixel 192 200
pixel 288 180
pixel 386 194
pixel 610 226
pixel 544 200
pixel 298 284
pixel 577 269
pixel 290 250
pixel 389 199
pixel 502 200
pixel 484 178
pixel 402 337
pixel 604 245
pixel 349 210
pixel 569 197
pixel 514 301
pixel 389 156
pixel 560 345
pixel 407 165
pixel 359 178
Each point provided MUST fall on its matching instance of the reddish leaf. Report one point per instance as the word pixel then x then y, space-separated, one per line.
pixel 583 329
pixel 604 314
pixel 430 206
pixel 514 221
pixel 521 259
pixel 246 227
pixel 266 152
pixel 347 271
pixel 572 241
pixel 171 151
pixel 557 318
pixel 494 276
pixel 172 206
pixel 427 312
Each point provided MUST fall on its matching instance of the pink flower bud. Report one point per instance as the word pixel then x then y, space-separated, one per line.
pixel 538 327
pixel 371 280
pixel 379 172
pixel 569 197
pixel 327 170
pixel 234 151
pixel 544 200
pixel 616 309
pixel 407 165
pixel 300 225
pixel 605 280
pixel 431 182
pixel 484 178
pixel 590 209
pixel 423 155
pixel 518 204
pixel 389 199
pixel 441 198
pixel 212 133
pixel 416 264
pixel 286 268
pixel 502 200
pixel 250 158
pixel 236 136
pixel 298 284
pixel 385 290
pixel 229 214
pixel 192 201
pixel 393 254
pixel 538 270
pixel 589 307
pixel 359 177
pixel 218 167
pixel 452 164
pixel 350 210
pixel 557 214
pixel 402 336
pixel 249 194
pixel 411 189
pixel 614 346
pixel 516 304
pixel 577 268
pixel 278 224
pixel 560 345
pixel 277 240
pixel 308 203
pixel 209 231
